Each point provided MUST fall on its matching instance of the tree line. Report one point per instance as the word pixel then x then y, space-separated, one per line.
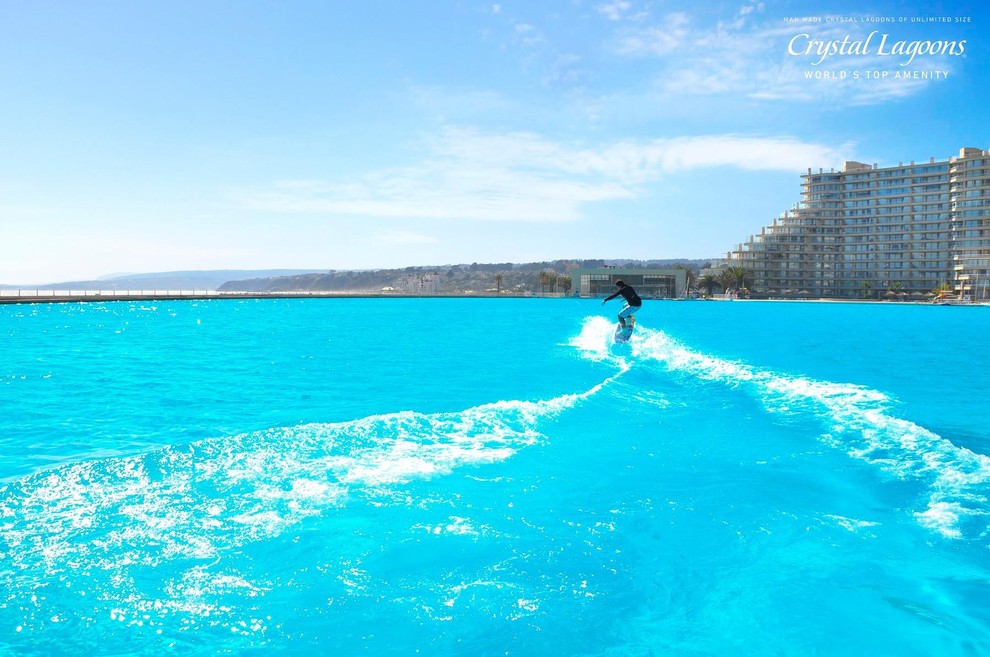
pixel 547 277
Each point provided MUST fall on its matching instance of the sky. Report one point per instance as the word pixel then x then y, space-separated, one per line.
pixel 211 134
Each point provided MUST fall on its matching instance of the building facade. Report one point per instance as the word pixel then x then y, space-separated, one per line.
pixel 649 283
pixel 866 231
pixel 419 283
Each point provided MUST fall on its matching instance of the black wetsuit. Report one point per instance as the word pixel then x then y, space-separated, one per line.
pixel 628 294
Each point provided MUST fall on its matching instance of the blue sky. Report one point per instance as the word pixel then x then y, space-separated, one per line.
pixel 160 136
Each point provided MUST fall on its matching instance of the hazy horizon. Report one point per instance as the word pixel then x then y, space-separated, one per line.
pixel 290 271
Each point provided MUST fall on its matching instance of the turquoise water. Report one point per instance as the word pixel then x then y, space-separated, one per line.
pixel 493 477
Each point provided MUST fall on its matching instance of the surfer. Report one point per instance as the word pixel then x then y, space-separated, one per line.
pixel 633 303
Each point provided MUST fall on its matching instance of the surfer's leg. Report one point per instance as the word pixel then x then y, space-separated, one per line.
pixel 626 311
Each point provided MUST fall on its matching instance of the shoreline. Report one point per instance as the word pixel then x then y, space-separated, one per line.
pixel 93 296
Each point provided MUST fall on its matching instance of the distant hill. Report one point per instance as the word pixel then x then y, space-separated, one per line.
pixel 549 276
pixel 174 280
pixel 444 279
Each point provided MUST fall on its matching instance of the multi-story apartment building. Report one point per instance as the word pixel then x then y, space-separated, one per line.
pixel 865 231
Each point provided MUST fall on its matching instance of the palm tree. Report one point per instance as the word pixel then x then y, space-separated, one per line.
pixel 942 290
pixel 547 277
pixel 726 279
pixel 740 277
pixel 498 284
pixel 708 283
pixel 866 287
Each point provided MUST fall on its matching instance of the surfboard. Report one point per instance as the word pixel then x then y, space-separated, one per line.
pixel 623 333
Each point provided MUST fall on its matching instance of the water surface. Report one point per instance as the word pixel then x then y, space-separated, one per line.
pixel 493 476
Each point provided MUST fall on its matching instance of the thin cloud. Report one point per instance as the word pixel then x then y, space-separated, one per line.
pixel 468 174
pixel 528 35
pixel 615 11
pixel 405 237
pixel 660 40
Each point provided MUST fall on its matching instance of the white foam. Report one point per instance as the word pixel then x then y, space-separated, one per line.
pixel 851 524
pixel 200 500
pixel 595 338
pixel 942 517
pixel 857 419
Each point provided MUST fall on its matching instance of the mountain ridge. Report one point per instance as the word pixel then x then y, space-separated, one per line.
pixel 453 277
pixel 506 277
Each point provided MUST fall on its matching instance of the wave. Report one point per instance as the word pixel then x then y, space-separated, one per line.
pixel 856 418
pixel 189 505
